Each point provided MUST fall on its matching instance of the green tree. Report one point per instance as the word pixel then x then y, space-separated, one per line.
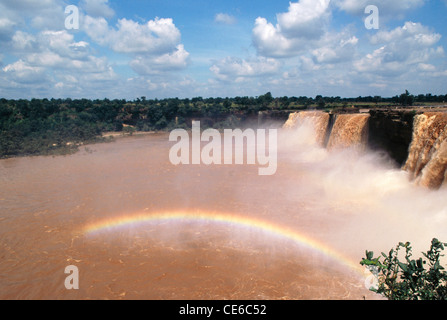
pixel 377 99
pixel 406 99
pixel 264 100
pixel 409 279
pixel 320 101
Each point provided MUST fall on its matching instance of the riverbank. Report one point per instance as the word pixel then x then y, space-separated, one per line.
pixel 122 134
pixel 65 138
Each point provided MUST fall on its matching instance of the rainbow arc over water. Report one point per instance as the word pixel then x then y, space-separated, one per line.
pixel 223 218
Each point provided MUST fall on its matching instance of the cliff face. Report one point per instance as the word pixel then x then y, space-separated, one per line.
pixel 392 131
pixel 388 130
pixel 417 140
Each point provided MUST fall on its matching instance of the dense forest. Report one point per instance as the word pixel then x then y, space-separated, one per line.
pixel 59 126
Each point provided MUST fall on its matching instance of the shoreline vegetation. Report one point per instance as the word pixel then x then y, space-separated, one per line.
pixel 60 126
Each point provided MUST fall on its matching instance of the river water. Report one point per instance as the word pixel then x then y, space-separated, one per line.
pixel 346 202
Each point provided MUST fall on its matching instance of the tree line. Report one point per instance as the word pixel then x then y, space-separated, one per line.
pixel 53 126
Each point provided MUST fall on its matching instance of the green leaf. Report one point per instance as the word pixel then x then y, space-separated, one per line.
pixel 419 263
pixel 403 266
pixel 366 262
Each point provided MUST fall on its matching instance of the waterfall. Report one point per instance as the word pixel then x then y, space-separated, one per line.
pixel 349 130
pixel 427 159
pixel 318 119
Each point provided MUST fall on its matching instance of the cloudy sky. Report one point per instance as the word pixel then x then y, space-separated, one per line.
pixel 214 48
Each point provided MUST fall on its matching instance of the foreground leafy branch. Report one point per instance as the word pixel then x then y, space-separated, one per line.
pixel 409 279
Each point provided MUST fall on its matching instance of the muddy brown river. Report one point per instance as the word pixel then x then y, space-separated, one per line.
pixel 220 232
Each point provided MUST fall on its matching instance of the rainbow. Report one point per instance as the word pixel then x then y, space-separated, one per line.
pixel 235 220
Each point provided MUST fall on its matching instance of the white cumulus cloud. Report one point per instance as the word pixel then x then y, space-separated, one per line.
pixel 296 30
pixel 175 60
pixel 158 36
pixel 401 49
pixel 22 72
pixel 230 68
pixel 304 19
pixel 54 57
pixel 154 46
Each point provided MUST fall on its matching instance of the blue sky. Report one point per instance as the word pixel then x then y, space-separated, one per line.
pixel 164 48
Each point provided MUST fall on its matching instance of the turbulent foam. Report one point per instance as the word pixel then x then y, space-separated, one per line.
pixel 319 120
